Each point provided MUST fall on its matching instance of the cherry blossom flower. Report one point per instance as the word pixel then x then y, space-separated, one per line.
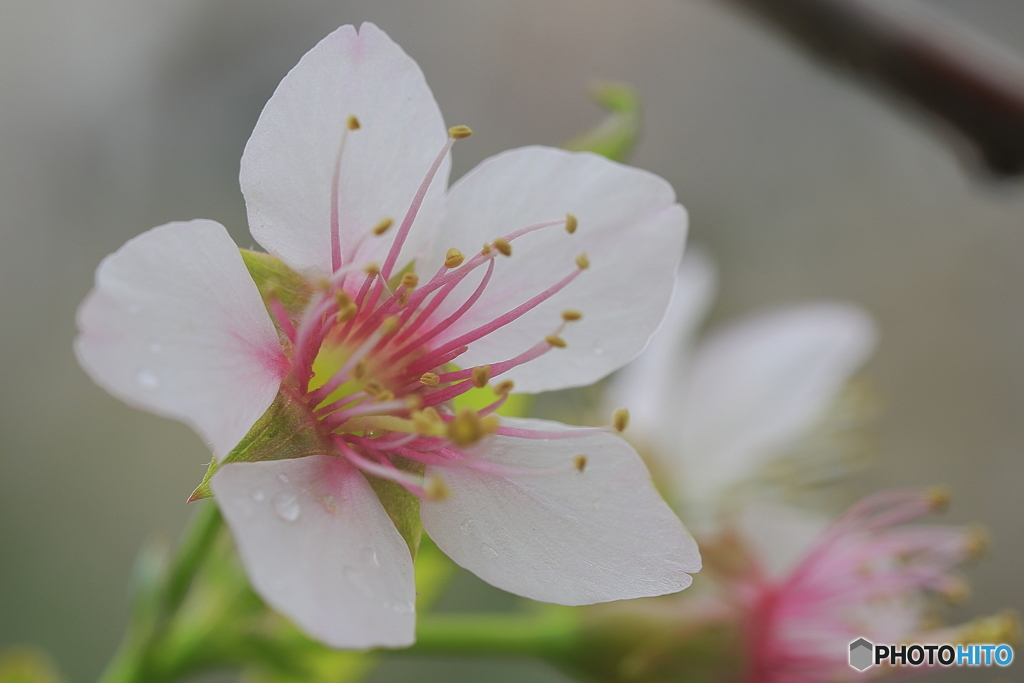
pixel 322 374
pixel 867 574
pixel 714 411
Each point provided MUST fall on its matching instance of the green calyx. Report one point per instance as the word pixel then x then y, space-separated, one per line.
pixel 285 430
pixel 276 281
pixel 288 430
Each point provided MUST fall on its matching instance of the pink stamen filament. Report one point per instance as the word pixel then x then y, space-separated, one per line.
pixel 410 482
pixel 281 316
pixel 414 208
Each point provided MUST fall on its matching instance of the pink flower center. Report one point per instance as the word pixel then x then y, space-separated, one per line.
pixel 372 362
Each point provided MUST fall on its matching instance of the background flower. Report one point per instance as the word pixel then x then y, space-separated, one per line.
pixel 715 411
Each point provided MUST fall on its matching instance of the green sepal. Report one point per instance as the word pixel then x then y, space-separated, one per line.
pixel 617 135
pixel 286 430
pixel 275 280
pixel 402 507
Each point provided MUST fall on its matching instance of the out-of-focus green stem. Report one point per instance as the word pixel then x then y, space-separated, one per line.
pixel 553 636
pixel 139 658
pixel 193 549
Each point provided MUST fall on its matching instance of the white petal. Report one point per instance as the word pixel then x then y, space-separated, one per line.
pixel 289 161
pixel 571 538
pixel 758 385
pixel 651 385
pixel 319 547
pixel 175 325
pixel 629 226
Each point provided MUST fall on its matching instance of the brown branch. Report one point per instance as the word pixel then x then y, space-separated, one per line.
pixel 942 67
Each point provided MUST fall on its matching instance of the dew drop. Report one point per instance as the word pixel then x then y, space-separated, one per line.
pixel 283 478
pixel 370 557
pixel 147 379
pixel 490 552
pixel 357 580
pixel 402 607
pixel 286 505
pixel 258 496
pixel 467 527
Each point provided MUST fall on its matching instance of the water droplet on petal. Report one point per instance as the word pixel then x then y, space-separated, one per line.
pixel 467 527
pixel 402 607
pixel 258 496
pixel 357 580
pixel 286 505
pixel 283 478
pixel 370 557
pixel 147 379
pixel 490 553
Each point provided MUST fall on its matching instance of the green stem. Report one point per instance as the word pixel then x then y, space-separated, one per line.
pixel 135 657
pixel 550 635
pixel 193 549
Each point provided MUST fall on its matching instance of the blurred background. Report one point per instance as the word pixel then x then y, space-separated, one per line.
pixel 119 115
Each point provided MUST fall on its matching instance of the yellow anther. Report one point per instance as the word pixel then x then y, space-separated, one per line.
pixel 976 541
pixel 347 312
pixel 385 395
pixel 938 498
pixel 372 270
pixel 504 387
pixel 459 132
pixel 453 258
pixel 374 387
pixel 390 324
pixel 582 261
pixel 383 226
pixel 429 379
pixel 436 489
pixel 481 375
pixel 489 424
pixel 353 123
pixel 956 591
pixel 465 429
pixel 503 246
pixel 571 223
pixel 342 299
pixel 427 422
pixel 486 250
pixel 580 463
pixel 359 371
pixel 571 315
pixel 413 402
pixel 555 340
pixel 410 280
pixel 620 419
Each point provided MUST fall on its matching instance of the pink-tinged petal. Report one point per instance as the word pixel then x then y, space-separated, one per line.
pixel 759 384
pixel 175 325
pixel 320 548
pixel 567 537
pixel 630 228
pixel 779 534
pixel 651 386
pixel 289 162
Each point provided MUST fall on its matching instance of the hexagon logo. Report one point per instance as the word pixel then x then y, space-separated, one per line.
pixel 861 654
